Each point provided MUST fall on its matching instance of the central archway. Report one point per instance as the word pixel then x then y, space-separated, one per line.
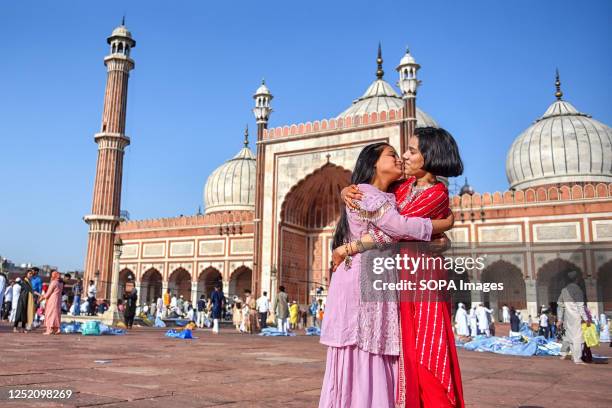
pixel 309 215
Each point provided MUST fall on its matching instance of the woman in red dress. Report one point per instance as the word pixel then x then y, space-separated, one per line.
pixel 429 369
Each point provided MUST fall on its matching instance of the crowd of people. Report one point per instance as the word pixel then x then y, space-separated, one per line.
pixel 250 315
pixel 563 321
pixel 27 302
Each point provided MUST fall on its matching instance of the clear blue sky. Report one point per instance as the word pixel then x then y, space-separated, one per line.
pixel 487 71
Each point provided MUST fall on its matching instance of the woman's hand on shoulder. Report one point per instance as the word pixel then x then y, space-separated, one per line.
pixel 351 194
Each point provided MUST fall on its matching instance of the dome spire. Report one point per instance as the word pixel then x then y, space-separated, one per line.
pixel 379 72
pixel 246 136
pixel 559 93
pixel 123 20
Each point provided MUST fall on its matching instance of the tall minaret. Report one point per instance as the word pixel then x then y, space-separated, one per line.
pixel 262 112
pixel 111 142
pixel 408 84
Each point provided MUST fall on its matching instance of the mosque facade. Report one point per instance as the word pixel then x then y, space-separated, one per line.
pixel 270 214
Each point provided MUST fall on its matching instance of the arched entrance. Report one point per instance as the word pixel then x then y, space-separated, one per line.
pixel 309 215
pixel 179 284
pixel 150 286
pixel 239 281
pixel 513 294
pixel 604 286
pixel 124 276
pixel 207 281
pixel 552 278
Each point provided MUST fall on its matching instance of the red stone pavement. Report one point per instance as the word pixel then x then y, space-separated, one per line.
pixel 146 369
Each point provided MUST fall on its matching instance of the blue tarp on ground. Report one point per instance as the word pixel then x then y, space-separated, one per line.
pixel 69 328
pixel 110 331
pixel 183 334
pixel 527 344
pixel 313 331
pixel 272 331
pixel 76 327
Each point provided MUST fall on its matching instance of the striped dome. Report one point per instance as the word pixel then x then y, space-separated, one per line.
pixel 231 187
pixel 380 96
pixel 563 146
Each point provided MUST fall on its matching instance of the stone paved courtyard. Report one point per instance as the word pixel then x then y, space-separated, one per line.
pixel 146 369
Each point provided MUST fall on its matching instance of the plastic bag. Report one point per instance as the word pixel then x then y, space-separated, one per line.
pixel 91 328
pixel 589 333
pixel 271 320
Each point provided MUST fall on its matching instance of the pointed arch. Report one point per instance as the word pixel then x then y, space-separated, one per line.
pixel 207 280
pixel 179 283
pixel 240 279
pixel 150 285
pixel 309 214
pixel 552 277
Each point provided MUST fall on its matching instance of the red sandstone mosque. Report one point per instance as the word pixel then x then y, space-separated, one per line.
pixel 269 215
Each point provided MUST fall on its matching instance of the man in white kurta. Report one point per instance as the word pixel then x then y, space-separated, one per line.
pixel 8 301
pixel 3 285
pixel 461 321
pixel 16 292
pixel 473 322
pixel 506 314
pixel 571 314
pixel 482 315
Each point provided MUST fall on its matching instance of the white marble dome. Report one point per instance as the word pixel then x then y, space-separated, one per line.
pixel 563 146
pixel 380 96
pixel 231 187
pixel 121 31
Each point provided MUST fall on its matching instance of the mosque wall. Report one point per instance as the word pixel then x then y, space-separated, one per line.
pixel 205 247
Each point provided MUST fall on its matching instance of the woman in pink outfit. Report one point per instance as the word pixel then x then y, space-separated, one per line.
pixel 363 337
pixel 53 304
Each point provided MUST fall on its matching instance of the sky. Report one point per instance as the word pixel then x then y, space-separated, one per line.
pixel 487 71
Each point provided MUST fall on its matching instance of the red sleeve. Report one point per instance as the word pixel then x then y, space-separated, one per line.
pixel 433 204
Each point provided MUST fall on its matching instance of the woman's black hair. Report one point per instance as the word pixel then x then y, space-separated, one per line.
pixel 364 172
pixel 440 152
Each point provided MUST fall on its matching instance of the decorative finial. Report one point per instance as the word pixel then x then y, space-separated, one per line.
pixel 246 136
pixel 328 156
pixel 263 81
pixel 379 61
pixel 559 93
pixel 123 21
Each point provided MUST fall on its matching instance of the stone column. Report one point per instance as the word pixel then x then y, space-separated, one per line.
pixel 532 299
pixel 593 303
pixel 194 293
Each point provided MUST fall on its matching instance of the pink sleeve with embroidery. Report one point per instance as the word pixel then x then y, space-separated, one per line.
pixel 379 209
